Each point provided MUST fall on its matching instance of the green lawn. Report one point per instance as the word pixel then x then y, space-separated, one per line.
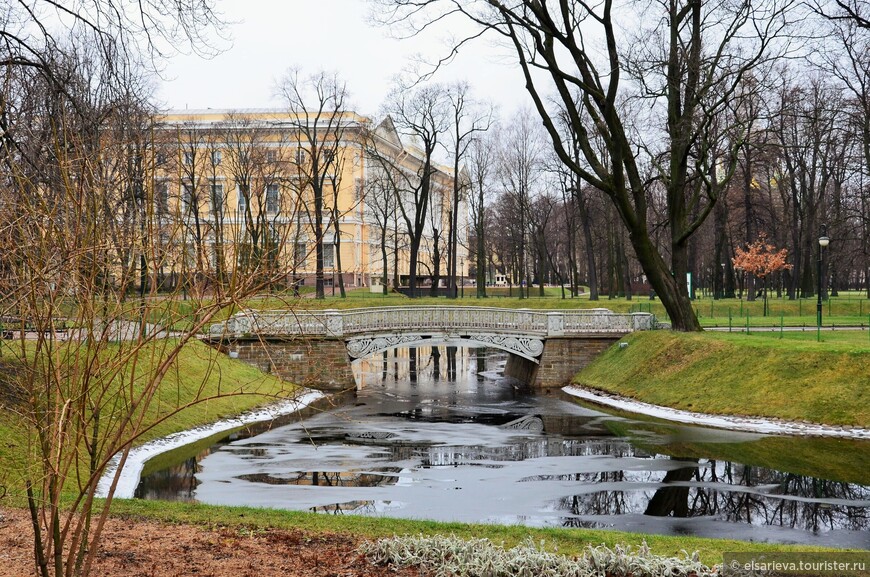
pixel 199 372
pixel 793 378
pixel 568 541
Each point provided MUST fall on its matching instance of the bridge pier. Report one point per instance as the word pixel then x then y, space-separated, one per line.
pixel 561 360
pixel 318 362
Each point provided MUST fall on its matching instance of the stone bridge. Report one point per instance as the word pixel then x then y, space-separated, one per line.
pixel 315 348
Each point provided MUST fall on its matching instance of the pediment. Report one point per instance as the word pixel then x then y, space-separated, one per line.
pixel 387 130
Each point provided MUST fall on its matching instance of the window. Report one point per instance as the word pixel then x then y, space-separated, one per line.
pixel 243 202
pixel 160 159
pixel 188 158
pixel 300 253
pixel 186 195
pixel 327 155
pixel 272 197
pixel 161 198
pixel 300 156
pixel 271 156
pixel 217 197
pixel 216 157
pixel 328 255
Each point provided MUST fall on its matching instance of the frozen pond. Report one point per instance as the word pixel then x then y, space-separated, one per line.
pixel 434 437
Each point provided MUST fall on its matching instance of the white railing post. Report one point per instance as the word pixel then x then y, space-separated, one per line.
pixel 641 322
pixel 334 323
pixel 555 324
pixel 242 323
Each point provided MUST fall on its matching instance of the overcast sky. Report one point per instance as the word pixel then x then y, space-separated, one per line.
pixel 269 36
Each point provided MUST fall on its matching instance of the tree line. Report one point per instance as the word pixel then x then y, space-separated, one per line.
pixel 664 115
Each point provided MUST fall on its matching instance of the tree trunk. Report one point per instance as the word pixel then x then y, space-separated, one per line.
pixel 436 265
pixel 592 271
pixel 673 294
pixel 337 257
pixel 412 267
pixel 384 259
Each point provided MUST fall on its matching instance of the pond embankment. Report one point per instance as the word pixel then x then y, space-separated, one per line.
pixel 747 377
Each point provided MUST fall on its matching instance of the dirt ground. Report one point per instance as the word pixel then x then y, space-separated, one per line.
pixel 140 548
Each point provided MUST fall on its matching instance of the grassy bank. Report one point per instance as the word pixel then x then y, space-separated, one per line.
pixel 792 378
pixel 831 458
pixel 568 541
pixel 200 372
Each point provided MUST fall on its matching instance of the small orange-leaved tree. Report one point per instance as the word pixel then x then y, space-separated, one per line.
pixel 761 259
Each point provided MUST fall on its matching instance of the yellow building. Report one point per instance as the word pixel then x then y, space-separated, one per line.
pixel 260 187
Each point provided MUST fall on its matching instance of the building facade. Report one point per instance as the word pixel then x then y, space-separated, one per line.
pixel 292 194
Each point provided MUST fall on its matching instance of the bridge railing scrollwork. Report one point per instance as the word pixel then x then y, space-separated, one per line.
pixel 430 319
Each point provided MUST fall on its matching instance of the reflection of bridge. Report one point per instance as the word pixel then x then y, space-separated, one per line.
pixel 546 347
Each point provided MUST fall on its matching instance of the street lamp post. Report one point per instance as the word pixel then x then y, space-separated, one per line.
pixel 823 242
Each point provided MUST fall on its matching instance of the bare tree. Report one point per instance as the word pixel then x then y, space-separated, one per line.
pixel 520 165
pixel 481 163
pixel 690 64
pixel 848 58
pixel 467 119
pixel 854 12
pixel 192 165
pixel 317 118
pixel 77 199
pixel 810 146
pixel 80 212
pixel 422 115
pixel 380 197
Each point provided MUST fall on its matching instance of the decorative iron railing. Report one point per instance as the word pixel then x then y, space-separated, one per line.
pixel 430 319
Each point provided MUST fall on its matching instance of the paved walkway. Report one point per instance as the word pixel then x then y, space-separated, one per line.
pixel 750 424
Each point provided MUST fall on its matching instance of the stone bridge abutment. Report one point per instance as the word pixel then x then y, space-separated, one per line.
pixel 316 349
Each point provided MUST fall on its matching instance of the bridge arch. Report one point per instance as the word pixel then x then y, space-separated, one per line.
pixel 527 347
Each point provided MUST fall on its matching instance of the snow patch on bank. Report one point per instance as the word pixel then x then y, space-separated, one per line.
pixel 751 424
pixel 128 478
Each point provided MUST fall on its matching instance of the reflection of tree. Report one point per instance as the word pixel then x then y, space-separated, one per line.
pixel 327 478
pixel 729 491
pixel 176 483
pixel 451 363
pixel 480 363
pixel 672 499
pixel 350 508
pixel 436 363
pixel 613 502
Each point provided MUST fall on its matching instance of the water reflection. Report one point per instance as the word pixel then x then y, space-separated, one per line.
pixel 358 507
pixel 727 491
pixel 176 483
pixel 327 478
pixel 437 434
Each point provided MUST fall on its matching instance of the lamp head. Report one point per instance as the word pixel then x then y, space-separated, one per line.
pixel 823 236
